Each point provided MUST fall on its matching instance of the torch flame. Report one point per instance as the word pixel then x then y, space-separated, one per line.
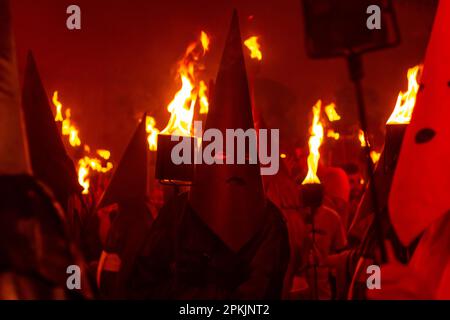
pixel 181 108
pixel 375 156
pixel 405 101
pixel 83 173
pixel 85 164
pixel 361 138
pixel 331 113
pixel 204 39
pixel 315 140
pixel 68 129
pixel 58 105
pixel 105 154
pixel 255 48
pixel 203 99
pixel 333 134
pixel 152 133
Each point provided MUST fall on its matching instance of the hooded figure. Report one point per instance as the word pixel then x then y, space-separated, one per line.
pixel 419 202
pixel 125 200
pixel 35 250
pixel 49 158
pixel 50 161
pixel 223 240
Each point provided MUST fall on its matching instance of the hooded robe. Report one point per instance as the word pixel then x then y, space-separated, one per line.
pixel 223 239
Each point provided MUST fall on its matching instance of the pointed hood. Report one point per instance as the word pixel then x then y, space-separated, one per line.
pixel 13 147
pixel 229 197
pixel 129 182
pixel 49 159
pixel 421 185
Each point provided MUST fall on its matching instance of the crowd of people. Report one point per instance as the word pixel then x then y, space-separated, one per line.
pixel 230 234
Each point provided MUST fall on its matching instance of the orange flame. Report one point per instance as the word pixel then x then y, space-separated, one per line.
pixel 361 138
pixel 203 98
pixel 58 106
pixel 181 108
pixel 253 45
pixel 333 134
pixel 405 101
pixel 152 133
pixel 375 156
pixel 204 39
pixel 331 113
pixel 83 173
pixel 85 164
pixel 315 140
pixel 105 154
pixel 68 129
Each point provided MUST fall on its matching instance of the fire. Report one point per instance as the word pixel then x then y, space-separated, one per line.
pixel 331 113
pixel 87 163
pixel 83 173
pixel 405 101
pixel 58 106
pixel 204 39
pixel 68 129
pixel 361 138
pixel 375 156
pixel 253 45
pixel 105 154
pixel 181 108
pixel 333 134
pixel 203 99
pixel 153 133
pixel 315 140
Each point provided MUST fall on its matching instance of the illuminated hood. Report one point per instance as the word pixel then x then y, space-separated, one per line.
pixel 229 197
pixel 129 182
pixel 49 159
pixel 421 185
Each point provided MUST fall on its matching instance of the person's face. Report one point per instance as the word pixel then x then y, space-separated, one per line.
pixel 356 185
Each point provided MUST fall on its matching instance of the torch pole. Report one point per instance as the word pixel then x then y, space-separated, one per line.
pixel 312 198
pixel 356 74
pixel 313 227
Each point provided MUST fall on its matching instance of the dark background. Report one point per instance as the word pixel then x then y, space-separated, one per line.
pixel 123 60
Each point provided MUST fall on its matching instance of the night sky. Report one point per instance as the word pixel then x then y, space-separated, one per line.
pixel 123 60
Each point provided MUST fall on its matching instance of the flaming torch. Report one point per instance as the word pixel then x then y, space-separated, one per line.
pixel 315 140
pixel 181 110
pixel 312 189
pixel 401 117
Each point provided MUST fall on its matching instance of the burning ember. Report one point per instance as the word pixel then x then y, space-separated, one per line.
pixel 255 48
pixel 152 133
pixel 315 140
pixel 405 102
pixel 181 108
pixel 87 163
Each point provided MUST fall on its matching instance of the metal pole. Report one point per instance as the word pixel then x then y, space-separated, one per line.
pixel 356 75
